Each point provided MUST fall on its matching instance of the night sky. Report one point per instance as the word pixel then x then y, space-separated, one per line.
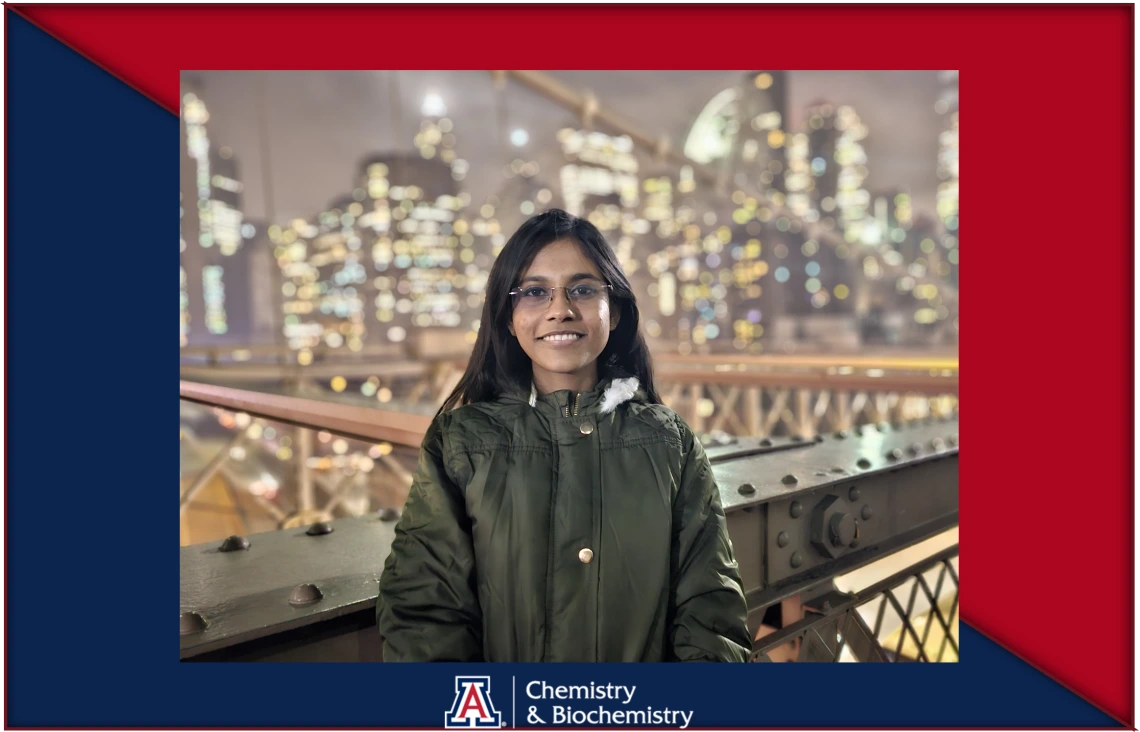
pixel 322 122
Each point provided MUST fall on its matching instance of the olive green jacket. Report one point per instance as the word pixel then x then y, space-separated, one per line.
pixel 566 527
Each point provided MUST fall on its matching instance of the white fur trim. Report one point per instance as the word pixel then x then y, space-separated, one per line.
pixel 619 391
pixel 533 394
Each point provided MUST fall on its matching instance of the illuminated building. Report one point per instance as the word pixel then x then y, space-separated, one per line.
pixel 758 265
pixel 214 295
pixel 599 177
pixel 183 310
pixel 798 179
pixel 947 105
pixel 713 133
pixel 215 263
pixel 753 150
pixel 763 141
pixel 523 194
pixel 392 255
pixel 838 166
pixel 892 218
pixel 600 182
pixel 216 214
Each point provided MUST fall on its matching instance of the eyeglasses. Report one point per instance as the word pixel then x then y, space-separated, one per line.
pixel 533 297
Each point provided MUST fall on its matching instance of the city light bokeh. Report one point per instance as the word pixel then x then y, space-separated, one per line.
pixel 761 238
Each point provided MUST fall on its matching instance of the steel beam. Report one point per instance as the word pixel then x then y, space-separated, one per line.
pixel 799 512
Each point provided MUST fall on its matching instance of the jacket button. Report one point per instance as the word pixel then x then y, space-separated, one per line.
pixel 586 428
pixel 586 556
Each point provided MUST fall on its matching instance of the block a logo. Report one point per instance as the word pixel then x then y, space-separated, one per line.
pixel 472 708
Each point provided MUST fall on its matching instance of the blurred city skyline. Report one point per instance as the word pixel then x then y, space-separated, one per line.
pixel 339 117
pixel 751 210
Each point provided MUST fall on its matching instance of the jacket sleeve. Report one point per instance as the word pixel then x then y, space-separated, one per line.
pixel 710 613
pixel 428 609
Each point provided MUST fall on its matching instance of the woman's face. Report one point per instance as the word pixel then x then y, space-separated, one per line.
pixel 587 322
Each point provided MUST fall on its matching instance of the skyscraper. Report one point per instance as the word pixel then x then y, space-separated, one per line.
pixel 214 269
pixel 838 166
pixel 947 105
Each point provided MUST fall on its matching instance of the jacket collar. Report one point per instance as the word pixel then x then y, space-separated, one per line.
pixel 604 398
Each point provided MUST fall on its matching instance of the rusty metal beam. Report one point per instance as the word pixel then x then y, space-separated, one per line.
pixel 902 383
pixel 360 423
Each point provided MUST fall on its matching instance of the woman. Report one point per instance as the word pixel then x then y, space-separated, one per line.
pixel 561 512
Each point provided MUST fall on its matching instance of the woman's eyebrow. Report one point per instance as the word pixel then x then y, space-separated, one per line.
pixel 571 278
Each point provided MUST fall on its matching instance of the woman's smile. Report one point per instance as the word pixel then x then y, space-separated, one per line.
pixel 562 339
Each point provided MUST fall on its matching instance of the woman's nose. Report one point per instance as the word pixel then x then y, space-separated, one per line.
pixel 560 306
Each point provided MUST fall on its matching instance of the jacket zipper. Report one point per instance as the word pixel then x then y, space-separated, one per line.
pixel 550 549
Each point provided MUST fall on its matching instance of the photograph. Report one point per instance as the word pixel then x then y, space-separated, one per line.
pixel 568 366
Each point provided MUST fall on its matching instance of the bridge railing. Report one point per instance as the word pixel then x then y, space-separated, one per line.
pixel 255 461
pixel 744 395
pixel 378 432
pixel 909 616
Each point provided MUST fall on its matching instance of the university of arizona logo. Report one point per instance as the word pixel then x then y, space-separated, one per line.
pixel 472 708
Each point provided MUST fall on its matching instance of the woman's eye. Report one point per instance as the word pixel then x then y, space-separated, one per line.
pixel 583 291
pixel 535 292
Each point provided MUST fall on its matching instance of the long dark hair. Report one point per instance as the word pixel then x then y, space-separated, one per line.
pixel 498 363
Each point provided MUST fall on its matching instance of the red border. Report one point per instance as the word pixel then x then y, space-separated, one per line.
pixel 1048 501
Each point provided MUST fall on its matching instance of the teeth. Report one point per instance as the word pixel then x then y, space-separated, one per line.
pixel 562 337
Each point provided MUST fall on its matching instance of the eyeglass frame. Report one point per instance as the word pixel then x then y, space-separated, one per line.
pixel 519 291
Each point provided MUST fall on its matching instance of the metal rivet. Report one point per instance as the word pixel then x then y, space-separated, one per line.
pixel 953 439
pixel 821 474
pixel 320 528
pixel 586 428
pixel 782 539
pixel 817 438
pixel 190 622
pixel 305 594
pixel 390 514
pixel 894 454
pixel 826 605
pixel 863 463
pixel 842 434
pixel 766 442
pixel 585 556
pixel 853 494
pixel 866 514
pixel 796 509
pixel 937 444
pixel 841 471
pixel 234 543
pixel 797 438
pixel 797 559
pixel 746 489
pixel 916 448
pixel 789 479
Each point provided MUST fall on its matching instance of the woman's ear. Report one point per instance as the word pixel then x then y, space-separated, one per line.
pixel 615 316
pixel 511 328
